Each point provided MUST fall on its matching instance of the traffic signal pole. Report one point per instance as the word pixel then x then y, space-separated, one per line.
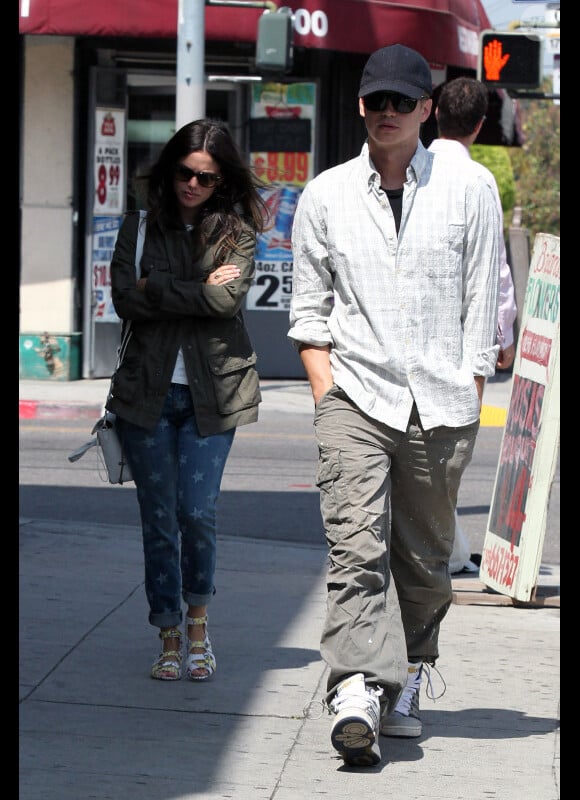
pixel 190 86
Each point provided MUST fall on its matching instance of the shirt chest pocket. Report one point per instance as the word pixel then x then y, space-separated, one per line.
pixel 444 269
pixel 446 255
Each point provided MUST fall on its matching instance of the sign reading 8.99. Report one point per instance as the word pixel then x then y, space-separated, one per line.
pixel 282 167
pixel 109 170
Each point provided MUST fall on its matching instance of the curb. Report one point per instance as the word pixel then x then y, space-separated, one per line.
pixel 34 409
pixel 491 416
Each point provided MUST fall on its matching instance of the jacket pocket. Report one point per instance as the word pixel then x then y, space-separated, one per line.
pixel 149 264
pixel 125 380
pixel 235 382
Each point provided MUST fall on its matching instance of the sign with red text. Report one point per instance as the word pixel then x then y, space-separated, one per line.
pixel 109 167
pixel 282 154
pixel 105 230
pixel 282 132
pixel 512 548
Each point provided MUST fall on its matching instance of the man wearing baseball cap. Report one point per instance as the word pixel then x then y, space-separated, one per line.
pixel 394 311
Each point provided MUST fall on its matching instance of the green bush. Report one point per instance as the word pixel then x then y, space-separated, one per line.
pixel 498 161
pixel 529 176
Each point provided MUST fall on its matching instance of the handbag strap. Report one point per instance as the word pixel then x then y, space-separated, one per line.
pixel 107 419
pixel 141 225
pixel 140 241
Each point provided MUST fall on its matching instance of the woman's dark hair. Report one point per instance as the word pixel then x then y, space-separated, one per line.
pixel 235 200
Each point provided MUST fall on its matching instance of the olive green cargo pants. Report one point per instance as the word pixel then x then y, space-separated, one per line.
pixel 387 500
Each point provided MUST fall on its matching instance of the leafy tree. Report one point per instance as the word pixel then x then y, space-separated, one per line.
pixel 529 176
pixel 536 165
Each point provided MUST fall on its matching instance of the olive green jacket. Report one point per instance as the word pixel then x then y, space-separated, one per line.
pixel 178 309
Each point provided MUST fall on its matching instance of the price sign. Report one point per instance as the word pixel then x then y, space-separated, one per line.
pixel 272 287
pixel 282 167
pixel 109 162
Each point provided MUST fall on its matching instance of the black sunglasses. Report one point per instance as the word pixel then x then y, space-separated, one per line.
pixel 378 101
pixel 206 179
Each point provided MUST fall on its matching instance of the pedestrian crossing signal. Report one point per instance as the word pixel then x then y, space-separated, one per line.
pixel 510 60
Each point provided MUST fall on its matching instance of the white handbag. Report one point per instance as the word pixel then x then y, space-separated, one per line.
pixel 105 434
pixel 110 450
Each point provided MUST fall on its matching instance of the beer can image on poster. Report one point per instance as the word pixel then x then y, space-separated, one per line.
pixel 270 194
pixel 275 244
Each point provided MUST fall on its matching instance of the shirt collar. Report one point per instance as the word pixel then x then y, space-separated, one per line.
pixel 419 164
pixel 449 147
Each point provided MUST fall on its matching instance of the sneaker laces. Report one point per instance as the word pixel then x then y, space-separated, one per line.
pixel 362 701
pixel 429 691
pixel 311 710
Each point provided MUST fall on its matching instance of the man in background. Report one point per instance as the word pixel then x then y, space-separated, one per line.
pixel 460 113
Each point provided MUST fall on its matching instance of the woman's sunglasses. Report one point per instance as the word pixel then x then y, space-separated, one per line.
pixel 206 179
pixel 378 101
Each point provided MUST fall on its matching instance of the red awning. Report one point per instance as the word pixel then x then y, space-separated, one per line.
pixel 444 31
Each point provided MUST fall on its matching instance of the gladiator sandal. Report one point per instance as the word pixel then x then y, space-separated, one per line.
pixel 199 661
pixel 167 666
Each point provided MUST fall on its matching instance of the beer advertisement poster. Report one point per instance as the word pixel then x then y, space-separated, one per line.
pixel 282 156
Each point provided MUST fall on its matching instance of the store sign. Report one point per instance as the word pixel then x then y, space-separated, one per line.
pixel 282 155
pixel 108 205
pixel 105 230
pixel 109 166
pixel 516 527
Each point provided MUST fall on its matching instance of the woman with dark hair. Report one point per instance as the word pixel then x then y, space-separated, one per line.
pixel 187 377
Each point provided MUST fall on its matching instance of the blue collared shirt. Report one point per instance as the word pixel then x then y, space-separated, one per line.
pixel 409 317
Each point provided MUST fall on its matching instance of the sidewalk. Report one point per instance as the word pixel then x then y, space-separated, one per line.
pixel 85 398
pixel 94 725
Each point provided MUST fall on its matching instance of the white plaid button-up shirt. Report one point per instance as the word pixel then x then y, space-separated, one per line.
pixel 409 317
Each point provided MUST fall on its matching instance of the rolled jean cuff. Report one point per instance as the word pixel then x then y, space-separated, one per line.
pixel 197 599
pixel 169 619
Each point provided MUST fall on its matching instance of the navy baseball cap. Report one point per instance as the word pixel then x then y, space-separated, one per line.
pixel 397 68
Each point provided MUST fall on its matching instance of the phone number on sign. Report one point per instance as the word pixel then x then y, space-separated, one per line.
pixel 272 287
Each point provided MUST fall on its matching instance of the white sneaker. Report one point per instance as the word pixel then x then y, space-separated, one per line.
pixel 355 732
pixel 405 719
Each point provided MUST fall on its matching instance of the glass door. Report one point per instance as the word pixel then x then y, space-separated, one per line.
pixel 149 100
pixel 151 121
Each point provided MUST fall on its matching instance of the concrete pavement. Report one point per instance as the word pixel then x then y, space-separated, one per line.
pixel 84 398
pixel 94 725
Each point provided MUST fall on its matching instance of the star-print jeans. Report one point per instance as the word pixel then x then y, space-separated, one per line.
pixel 178 475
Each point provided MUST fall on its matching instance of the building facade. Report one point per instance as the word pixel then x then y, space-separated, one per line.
pixel 98 101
